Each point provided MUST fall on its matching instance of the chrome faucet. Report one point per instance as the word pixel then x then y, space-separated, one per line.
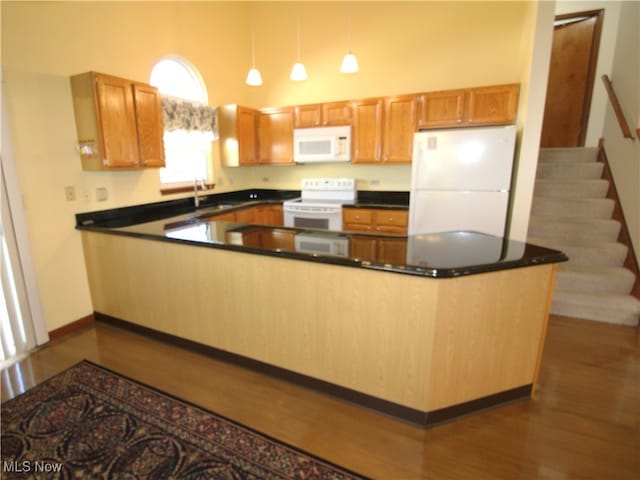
pixel 196 198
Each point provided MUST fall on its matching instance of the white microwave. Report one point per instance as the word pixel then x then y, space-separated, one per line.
pixel 322 144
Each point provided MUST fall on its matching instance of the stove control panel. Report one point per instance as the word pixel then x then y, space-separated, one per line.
pixel 329 184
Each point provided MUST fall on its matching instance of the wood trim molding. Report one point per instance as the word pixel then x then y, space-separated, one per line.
pixel 631 261
pixel 71 327
pixel 617 108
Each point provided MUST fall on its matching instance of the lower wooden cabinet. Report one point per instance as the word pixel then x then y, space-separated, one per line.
pixel 376 220
pixel 380 250
pixel 266 238
pixel 265 214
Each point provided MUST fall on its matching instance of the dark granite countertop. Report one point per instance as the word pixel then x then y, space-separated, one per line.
pixel 442 255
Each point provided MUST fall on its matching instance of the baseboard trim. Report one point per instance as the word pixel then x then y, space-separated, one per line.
pixel 70 327
pixel 401 412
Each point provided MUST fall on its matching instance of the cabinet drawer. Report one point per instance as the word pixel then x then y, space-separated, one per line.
pixel 392 218
pixel 357 215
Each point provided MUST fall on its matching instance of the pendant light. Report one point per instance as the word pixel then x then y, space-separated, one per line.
pixel 349 62
pixel 298 72
pixel 253 77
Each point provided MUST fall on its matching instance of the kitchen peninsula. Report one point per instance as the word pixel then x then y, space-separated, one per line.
pixel 455 324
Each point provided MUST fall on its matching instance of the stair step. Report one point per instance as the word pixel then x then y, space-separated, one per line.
pixel 605 307
pixel 570 170
pixel 575 189
pixel 566 228
pixel 572 207
pixel 595 279
pixel 588 252
pixel 576 154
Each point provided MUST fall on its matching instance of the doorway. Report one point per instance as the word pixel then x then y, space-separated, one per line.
pixel 574 55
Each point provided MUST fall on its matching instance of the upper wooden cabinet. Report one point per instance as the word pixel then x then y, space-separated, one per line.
pixel 399 126
pixel 383 129
pixel 493 105
pixel 441 109
pixel 275 136
pixel 366 140
pixel 118 121
pixel 307 116
pixel 336 113
pixel 238 132
pixel 322 114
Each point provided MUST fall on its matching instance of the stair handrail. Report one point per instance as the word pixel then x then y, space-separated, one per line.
pixel 615 103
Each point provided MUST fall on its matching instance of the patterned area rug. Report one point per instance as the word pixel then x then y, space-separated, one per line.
pixel 89 422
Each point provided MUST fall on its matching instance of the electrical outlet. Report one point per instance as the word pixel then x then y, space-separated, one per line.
pixel 70 193
pixel 374 182
pixel 101 194
pixel 265 179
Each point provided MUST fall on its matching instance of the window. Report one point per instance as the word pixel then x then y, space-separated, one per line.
pixel 189 124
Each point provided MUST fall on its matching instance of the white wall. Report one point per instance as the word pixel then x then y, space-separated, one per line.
pixel 624 154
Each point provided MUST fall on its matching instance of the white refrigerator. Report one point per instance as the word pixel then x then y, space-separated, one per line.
pixel 461 180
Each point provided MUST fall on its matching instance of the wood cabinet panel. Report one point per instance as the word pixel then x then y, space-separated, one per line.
pixel 118 122
pixel 247 215
pixel 366 138
pixel 148 107
pixel 400 123
pixel 336 113
pixel 441 109
pixel 376 220
pixel 275 136
pixel 238 132
pixel 247 136
pixel 392 251
pixel 493 105
pixel 307 116
pixel 363 248
pixel 381 250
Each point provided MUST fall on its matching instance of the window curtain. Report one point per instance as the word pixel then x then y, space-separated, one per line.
pixel 189 116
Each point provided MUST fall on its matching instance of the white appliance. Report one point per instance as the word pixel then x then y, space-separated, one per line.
pixel 322 144
pixel 320 203
pixel 461 179
pixel 323 243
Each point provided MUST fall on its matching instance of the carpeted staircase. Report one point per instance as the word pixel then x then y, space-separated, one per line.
pixel 571 213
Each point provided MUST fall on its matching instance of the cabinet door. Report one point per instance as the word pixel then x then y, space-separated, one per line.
pixel 495 105
pixel 275 239
pixel 399 126
pixel 247 133
pixel 274 215
pixel 392 251
pixel 391 221
pixel 363 248
pixel 336 113
pixel 148 108
pixel 275 136
pixel 360 219
pixel 306 116
pixel 441 109
pixel 246 215
pixel 367 131
pixel 118 122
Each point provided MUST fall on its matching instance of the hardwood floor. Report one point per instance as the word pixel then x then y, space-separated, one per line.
pixel 583 424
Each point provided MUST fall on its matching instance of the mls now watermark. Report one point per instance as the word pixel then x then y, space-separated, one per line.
pixel 28 466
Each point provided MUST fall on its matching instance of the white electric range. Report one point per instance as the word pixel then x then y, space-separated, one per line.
pixel 320 203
